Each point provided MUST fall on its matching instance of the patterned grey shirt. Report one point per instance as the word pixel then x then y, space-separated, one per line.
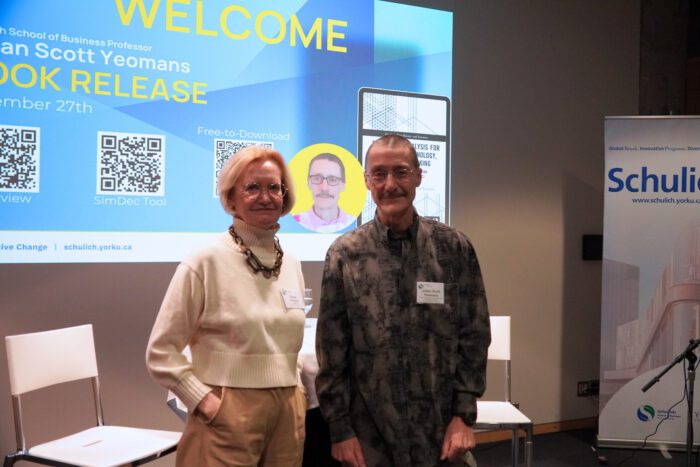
pixel 393 371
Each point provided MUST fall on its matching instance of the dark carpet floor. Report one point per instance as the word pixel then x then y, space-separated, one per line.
pixel 577 449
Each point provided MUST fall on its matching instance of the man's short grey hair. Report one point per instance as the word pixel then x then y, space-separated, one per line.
pixel 393 140
pixel 329 157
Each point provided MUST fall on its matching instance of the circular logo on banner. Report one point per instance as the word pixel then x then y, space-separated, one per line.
pixel 645 413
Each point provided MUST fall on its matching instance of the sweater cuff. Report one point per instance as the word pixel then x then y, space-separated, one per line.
pixel 340 430
pixel 464 406
pixel 190 390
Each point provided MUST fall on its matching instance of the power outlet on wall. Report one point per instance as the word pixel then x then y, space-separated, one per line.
pixel 588 388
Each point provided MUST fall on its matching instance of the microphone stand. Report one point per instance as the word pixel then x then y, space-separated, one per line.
pixel 690 389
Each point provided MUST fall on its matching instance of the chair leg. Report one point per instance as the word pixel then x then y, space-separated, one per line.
pixel 528 445
pixel 514 442
pixel 10 460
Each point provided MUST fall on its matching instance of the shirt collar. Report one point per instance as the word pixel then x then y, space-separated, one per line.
pixel 386 235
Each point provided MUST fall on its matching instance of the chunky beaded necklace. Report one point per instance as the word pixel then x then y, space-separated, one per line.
pixel 254 262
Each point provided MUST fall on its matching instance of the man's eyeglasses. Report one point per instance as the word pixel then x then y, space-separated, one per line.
pixel 400 174
pixel 275 190
pixel 317 179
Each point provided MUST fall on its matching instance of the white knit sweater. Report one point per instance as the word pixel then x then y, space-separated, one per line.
pixel 236 323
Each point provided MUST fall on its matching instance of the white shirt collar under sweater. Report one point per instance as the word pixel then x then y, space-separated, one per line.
pixel 260 241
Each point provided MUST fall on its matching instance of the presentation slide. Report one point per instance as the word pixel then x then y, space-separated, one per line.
pixel 425 121
pixel 116 116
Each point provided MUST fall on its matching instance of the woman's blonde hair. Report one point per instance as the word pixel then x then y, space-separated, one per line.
pixel 240 161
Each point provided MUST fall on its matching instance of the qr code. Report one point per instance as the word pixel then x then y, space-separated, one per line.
pixel 224 149
pixel 130 164
pixel 19 158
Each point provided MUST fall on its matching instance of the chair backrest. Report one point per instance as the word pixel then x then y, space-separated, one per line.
pixel 500 347
pixel 42 359
pixel 500 338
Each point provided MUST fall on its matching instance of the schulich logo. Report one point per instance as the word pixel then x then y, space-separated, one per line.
pixel 684 180
pixel 645 413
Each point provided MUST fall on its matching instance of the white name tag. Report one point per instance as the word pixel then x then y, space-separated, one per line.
pixel 430 292
pixel 292 298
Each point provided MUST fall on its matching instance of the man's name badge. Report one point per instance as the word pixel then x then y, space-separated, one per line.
pixel 430 292
pixel 292 298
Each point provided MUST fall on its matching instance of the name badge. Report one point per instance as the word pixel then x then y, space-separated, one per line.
pixel 430 292
pixel 292 298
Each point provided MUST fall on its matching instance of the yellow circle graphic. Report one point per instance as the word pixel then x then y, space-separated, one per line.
pixel 351 200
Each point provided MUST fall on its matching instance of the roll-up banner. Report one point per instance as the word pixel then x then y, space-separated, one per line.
pixel 651 278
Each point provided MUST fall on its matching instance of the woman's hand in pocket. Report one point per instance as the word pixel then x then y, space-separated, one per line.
pixel 209 406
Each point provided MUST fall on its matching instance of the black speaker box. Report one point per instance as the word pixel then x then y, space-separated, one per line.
pixel 592 247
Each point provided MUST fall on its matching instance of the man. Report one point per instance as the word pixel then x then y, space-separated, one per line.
pixel 403 329
pixel 326 181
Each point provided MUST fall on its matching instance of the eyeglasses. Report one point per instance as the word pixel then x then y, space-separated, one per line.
pixel 275 190
pixel 400 174
pixel 317 179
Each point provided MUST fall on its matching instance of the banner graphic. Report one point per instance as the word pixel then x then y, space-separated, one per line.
pixel 651 276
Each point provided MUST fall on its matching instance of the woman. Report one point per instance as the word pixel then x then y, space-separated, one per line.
pixel 238 304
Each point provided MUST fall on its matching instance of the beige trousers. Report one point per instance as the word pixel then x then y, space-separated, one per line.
pixel 253 427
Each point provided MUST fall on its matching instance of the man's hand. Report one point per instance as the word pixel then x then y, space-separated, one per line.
pixel 209 405
pixel 459 438
pixel 348 452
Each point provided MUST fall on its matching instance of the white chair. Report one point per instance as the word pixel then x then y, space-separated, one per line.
pixel 499 415
pixel 42 359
